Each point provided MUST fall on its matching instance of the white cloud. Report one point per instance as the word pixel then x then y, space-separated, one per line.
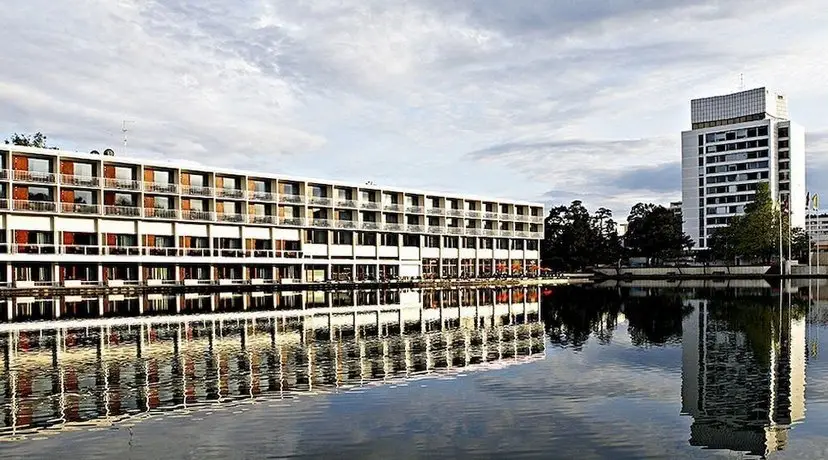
pixel 401 91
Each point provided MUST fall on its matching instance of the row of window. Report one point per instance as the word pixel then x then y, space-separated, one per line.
pixel 731 199
pixel 759 143
pixel 737 167
pixel 735 157
pixel 732 188
pixel 742 133
pixel 737 177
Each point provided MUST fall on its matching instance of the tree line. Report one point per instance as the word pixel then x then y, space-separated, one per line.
pixel 574 238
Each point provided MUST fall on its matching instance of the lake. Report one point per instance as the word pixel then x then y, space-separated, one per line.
pixel 658 371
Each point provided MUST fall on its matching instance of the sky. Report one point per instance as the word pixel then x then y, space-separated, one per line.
pixel 548 101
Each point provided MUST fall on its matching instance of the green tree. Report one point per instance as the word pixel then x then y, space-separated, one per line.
pixel 655 232
pixel 37 139
pixel 574 239
pixel 754 236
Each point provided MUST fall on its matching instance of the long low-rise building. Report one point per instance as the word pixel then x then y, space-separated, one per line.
pixel 77 219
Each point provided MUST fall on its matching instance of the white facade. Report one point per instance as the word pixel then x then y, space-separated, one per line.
pixel 736 141
pixel 74 219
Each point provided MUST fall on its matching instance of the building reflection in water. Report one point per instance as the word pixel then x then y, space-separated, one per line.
pixel 743 373
pixel 88 372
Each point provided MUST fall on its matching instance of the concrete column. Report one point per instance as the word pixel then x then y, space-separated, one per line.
pixel 141 301
pixel 100 306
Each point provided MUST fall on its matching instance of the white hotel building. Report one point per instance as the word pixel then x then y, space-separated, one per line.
pixel 76 219
pixel 736 141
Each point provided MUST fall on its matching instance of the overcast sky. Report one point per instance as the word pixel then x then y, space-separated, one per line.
pixel 539 100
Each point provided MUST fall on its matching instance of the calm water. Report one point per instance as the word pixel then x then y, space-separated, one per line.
pixel 565 373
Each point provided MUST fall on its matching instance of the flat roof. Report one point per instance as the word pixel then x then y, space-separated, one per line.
pixel 192 165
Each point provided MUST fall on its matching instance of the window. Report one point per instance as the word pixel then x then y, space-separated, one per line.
pixel 162 202
pixel 468 242
pixel 124 199
pixel 390 239
pixel 517 245
pixel 40 194
pixel 84 197
pixel 161 177
pixel 197 180
pixel 230 183
pixel 531 245
pixel 390 198
pixel 230 207
pixel 123 173
pixel 289 188
pixel 368 216
pixel 434 202
pixel 344 194
pixel 450 242
pixel 490 207
pixel 486 243
pixel 368 195
pixel 39 165
pixel 433 221
pixel 453 203
pixel 411 241
pixel 342 237
pixel 504 209
pixel 412 219
pixel 432 241
pixel 366 239
pixel 392 219
pixel 82 169
pixel 198 205
pixel 412 200
pixel 502 243
pixel 259 186
pixel 257 209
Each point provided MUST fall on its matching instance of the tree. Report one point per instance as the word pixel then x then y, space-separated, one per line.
pixel 574 239
pixel 755 234
pixel 655 232
pixel 37 139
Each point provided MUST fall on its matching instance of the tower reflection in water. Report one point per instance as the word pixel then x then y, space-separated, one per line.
pixel 90 372
pixel 743 367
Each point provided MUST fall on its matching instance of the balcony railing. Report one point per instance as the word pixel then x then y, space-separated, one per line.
pixel 122 184
pixel 342 203
pixel 295 221
pixel 196 190
pixel 536 219
pixel 522 218
pixel 190 214
pixel 455 212
pixel 159 251
pixel 35 176
pixel 228 252
pixel 489 232
pixel 489 215
pixel 261 219
pixel 436 229
pixel 161 213
pixel 79 181
pixel 393 227
pixel 229 193
pixel 269 253
pixel 4 203
pixel 37 206
pixel 345 224
pixel 80 208
pixel 506 216
pixel 292 199
pixel 26 248
pixel 325 223
pixel 473 231
pixel 415 228
pixel 471 214
pixel 121 250
pixel 160 187
pixel 393 207
pixel 256 195
pixel 229 217
pixel 522 234
pixel 83 250
pixel 319 201
pixel 369 225
pixel 4 174
pixel 124 211
pixel 415 210
pixel 503 232
pixel 194 252
pixel 455 230
pixel 369 205
pixel 436 211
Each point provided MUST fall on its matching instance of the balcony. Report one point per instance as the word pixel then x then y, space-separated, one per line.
pixel 194 252
pixel 455 230
pixel 264 253
pixel 436 211
pixel 196 190
pixel 196 215
pixel 415 210
pixel 80 208
pixel 503 232
pixel 123 211
pixel 522 218
pixel 345 224
pixel 229 193
pixel 122 184
pixel 122 250
pixel 228 252
pixel 34 176
pixel 489 232
pixel 294 221
pixel 324 223
pixel 522 234
pixel 159 251
pixel 229 217
pixel 320 201
pixel 369 225
pixel 369 205
pixel 36 206
pixel 90 250
pixel 4 203
pixel 260 196
pixel 436 230
pixel 455 212
pixel 474 214
pixel 261 219
pixel 26 248
pixel 536 219
pixel 413 228
pixel 473 231
pixel 4 174
pixel 79 181
pixel 161 213
pixel 393 227
pixel 291 199
pixel 489 215
pixel 346 204
pixel 506 216
pixel 393 207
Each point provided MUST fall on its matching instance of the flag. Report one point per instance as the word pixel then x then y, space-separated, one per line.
pixel 808 200
pixel 815 200
pixel 786 206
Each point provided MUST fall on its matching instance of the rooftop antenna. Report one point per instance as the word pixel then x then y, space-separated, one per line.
pixel 741 82
pixel 124 130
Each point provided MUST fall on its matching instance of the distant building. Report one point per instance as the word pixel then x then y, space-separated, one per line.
pixel 675 206
pixel 735 142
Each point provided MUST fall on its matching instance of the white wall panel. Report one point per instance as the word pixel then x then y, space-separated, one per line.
pixel 38 223
pixel 63 224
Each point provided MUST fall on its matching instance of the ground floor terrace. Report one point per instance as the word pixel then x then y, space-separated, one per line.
pixel 182 272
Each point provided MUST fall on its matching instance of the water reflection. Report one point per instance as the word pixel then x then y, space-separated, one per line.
pixel 743 352
pixel 64 374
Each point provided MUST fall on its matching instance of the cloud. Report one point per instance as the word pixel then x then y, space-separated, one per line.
pixel 584 97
